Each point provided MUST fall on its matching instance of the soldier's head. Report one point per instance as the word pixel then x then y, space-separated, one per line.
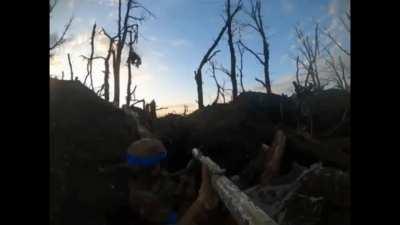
pixel 144 157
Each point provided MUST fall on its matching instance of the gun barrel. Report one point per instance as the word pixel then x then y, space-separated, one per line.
pixel 238 203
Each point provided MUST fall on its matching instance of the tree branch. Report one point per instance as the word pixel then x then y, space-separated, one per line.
pixel 252 52
pixel 329 35
pixel 262 82
pixel 53 5
pixel 61 40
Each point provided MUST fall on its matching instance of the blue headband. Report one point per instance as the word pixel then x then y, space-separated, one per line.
pixel 172 218
pixel 148 161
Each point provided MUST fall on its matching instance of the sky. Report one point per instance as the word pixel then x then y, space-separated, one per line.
pixel 173 42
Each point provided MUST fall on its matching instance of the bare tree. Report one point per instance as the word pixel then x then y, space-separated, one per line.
pixel 241 53
pixel 338 70
pixel 107 65
pixel 337 65
pixel 219 88
pixel 62 75
pixel 229 20
pixel 346 25
pixel 89 65
pixel 134 59
pixel 59 41
pixel 256 17
pixel 124 26
pixel 309 55
pixel 198 73
pixel 207 57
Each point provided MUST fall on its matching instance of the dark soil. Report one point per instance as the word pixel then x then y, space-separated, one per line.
pixel 87 133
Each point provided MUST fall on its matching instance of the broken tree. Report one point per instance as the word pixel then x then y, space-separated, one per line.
pixel 229 20
pixel 207 57
pixel 256 17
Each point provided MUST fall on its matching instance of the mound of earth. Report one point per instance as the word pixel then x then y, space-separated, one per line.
pixel 233 133
pixel 86 133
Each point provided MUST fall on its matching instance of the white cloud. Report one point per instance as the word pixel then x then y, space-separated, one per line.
pixel 180 43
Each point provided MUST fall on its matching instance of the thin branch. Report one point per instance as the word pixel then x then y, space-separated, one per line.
pixel 96 57
pixel 213 54
pixel 251 26
pixel 61 40
pixel 262 82
pixel 347 27
pixel 136 18
pixel 224 70
pixel 252 52
pixel 53 5
pixel 329 35
pixel 137 5
pixel 241 52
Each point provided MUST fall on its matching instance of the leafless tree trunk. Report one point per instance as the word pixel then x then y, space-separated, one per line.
pixel 107 65
pixel 62 76
pixel 256 17
pixel 232 74
pixel 123 29
pixel 297 70
pixel 133 59
pixel 128 88
pixel 89 66
pixel 70 67
pixel 120 46
pixel 241 52
pixel 207 57
pixel 198 73
pixel 151 108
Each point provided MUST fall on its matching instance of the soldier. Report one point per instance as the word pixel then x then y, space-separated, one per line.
pixel 155 198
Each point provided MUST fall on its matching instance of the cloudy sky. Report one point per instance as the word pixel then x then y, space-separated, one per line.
pixel 172 44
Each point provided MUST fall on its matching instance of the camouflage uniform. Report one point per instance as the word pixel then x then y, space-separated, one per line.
pixel 154 197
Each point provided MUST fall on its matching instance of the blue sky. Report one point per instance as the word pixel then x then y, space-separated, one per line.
pixel 172 43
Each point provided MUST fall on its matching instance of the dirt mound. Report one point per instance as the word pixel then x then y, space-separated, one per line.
pixel 233 133
pixel 86 133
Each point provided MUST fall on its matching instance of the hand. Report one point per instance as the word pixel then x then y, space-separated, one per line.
pixel 207 196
